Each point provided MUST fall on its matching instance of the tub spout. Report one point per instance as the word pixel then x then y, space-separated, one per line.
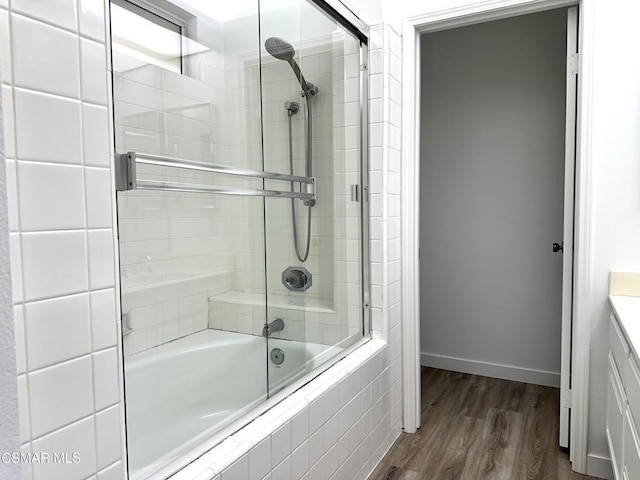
pixel 270 328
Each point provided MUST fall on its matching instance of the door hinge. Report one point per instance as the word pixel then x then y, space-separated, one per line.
pixel 565 398
pixel 573 63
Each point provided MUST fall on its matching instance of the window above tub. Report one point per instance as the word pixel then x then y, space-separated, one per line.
pixel 134 22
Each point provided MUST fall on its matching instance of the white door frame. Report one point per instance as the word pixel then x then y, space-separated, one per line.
pixel 473 13
pixel 567 234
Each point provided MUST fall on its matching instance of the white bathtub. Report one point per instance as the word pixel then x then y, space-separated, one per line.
pixel 182 392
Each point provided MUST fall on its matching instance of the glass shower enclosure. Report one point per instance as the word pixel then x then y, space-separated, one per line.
pixel 242 215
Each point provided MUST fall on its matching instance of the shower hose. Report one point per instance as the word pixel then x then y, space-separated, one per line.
pixel 308 168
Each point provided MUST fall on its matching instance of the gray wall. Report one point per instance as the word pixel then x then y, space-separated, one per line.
pixel 9 429
pixel 492 165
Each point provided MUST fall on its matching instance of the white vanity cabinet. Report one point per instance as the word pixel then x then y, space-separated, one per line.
pixel 623 403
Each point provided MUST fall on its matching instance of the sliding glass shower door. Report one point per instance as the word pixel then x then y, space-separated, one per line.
pixel 193 307
pixel 310 72
pixel 241 211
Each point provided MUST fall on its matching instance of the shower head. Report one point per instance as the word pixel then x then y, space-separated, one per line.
pixel 283 50
pixel 279 48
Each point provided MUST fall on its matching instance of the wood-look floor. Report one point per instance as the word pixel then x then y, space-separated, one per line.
pixel 480 428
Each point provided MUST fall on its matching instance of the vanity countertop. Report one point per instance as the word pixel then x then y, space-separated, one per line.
pixel 627 309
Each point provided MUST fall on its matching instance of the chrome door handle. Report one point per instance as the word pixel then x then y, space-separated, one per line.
pixel 558 247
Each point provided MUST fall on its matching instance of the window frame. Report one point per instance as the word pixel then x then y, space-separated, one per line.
pixel 161 17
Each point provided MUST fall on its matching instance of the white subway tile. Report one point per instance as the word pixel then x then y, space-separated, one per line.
pixel 239 470
pixel 92 18
pixel 331 461
pixel 57 330
pixel 60 395
pixel 95 135
pixel 94 71
pixel 55 264
pixel 47 127
pixel 98 188
pixel 300 460
pixel 51 196
pixel 78 439
pixel 16 267
pixel 103 319
pixel 23 408
pixel 316 471
pixel 105 378
pixel 21 354
pixel 101 259
pixel 59 12
pixel 27 468
pixel 12 195
pixel 114 472
pixel 299 428
pixel 331 431
pixel 316 414
pixel 330 402
pixel 316 446
pixel 108 436
pixel 260 459
pixel 281 443
pixel 5 47
pixel 376 86
pixel 344 448
pixel 283 470
pixel 7 119
pixel 45 57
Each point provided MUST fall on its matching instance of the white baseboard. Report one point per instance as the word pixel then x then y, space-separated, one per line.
pixel 600 467
pixel 495 370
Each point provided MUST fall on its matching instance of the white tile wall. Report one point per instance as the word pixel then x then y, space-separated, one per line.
pixel 65 389
pixel 108 436
pixel 50 197
pixel 98 197
pixel 386 300
pixel 57 329
pixel 54 264
pixel 45 58
pixel 61 234
pixel 96 145
pixel 105 373
pixel 61 13
pixel 47 127
pixel 5 48
pixel 103 329
pixel 8 120
pixel 101 259
pixel 78 438
pixel 92 19
pixel 94 82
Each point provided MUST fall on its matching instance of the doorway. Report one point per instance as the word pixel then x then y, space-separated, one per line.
pixel 492 180
pixel 574 362
pixel 497 134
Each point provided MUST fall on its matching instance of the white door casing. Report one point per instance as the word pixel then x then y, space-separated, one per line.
pixel 567 259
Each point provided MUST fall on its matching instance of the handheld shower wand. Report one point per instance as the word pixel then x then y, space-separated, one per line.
pixel 283 50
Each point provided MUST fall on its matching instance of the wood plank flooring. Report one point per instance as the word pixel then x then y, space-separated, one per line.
pixel 480 428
